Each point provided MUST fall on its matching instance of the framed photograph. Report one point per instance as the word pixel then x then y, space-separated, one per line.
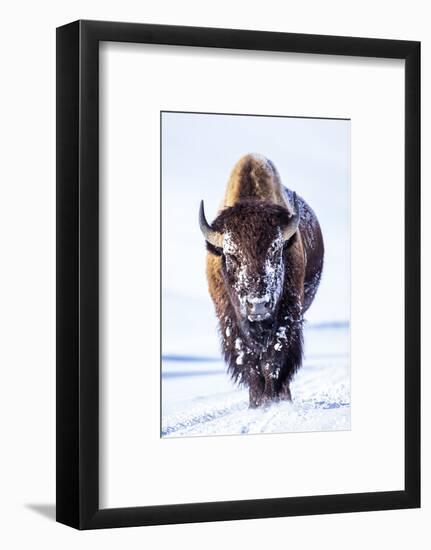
pixel 238 274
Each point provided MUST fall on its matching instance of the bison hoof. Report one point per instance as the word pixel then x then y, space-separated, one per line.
pixel 265 400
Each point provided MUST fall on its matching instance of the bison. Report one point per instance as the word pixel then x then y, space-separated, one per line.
pixel 264 264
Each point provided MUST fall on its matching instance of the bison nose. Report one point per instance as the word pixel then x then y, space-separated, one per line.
pixel 258 309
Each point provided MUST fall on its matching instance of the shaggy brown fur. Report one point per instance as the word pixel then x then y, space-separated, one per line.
pixel 263 355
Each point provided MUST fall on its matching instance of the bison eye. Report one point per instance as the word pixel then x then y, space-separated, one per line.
pixel 232 260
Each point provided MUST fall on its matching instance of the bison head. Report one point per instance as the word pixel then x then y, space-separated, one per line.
pixel 250 237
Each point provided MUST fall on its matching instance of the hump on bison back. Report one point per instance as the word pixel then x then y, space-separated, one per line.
pixel 254 177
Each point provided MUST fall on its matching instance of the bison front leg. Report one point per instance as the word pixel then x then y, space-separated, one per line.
pixel 271 386
pixel 284 393
pixel 256 386
pixel 276 388
pixel 272 383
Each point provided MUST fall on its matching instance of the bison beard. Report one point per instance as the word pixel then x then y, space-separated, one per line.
pixel 264 356
pixel 264 264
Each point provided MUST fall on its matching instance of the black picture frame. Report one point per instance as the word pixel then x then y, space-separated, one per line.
pixel 78 274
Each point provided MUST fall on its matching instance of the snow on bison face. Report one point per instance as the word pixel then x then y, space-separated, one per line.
pixel 254 274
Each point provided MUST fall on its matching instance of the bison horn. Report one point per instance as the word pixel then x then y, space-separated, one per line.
pixel 213 237
pixel 292 226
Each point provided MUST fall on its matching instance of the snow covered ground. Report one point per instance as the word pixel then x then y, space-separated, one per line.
pixel 198 397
